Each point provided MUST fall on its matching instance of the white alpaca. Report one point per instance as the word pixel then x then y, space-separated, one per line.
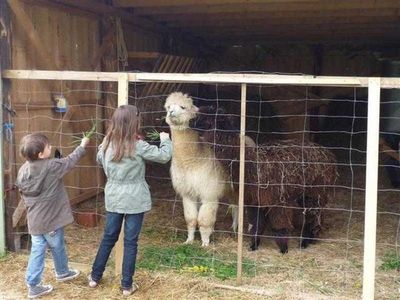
pixel 196 175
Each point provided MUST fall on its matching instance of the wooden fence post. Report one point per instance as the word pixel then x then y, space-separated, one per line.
pixel 371 188
pixel 241 184
pixel 123 95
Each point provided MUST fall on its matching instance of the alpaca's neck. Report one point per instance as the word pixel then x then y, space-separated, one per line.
pixel 186 144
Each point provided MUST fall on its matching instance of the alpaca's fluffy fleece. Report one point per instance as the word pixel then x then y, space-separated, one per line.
pixel 196 175
pixel 284 180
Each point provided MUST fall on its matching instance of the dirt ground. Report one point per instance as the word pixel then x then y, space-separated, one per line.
pixel 330 269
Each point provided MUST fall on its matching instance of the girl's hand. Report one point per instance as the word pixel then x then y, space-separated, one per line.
pixel 164 136
pixel 85 141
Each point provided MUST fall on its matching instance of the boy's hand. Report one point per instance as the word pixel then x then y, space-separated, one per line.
pixel 85 141
pixel 164 136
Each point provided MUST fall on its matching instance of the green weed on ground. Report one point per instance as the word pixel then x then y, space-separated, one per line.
pixel 195 259
pixel 391 261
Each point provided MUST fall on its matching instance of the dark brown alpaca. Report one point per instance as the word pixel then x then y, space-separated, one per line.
pixel 285 181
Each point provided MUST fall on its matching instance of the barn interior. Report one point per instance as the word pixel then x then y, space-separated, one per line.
pixel 314 37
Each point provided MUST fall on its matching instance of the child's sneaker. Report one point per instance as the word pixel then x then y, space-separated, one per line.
pixel 71 274
pixel 92 283
pixel 130 291
pixel 39 290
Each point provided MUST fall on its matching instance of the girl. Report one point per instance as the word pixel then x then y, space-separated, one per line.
pixel 127 195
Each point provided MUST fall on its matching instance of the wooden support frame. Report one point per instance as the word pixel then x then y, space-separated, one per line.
pixel 304 80
pixel 2 199
pixel 241 183
pixel 374 86
pixel 371 188
pixel 123 96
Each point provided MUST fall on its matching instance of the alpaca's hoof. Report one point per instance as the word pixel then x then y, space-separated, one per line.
pixel 205 244
pixel 305 243
pixel 188 242
pixel 284 250
pixel 254 244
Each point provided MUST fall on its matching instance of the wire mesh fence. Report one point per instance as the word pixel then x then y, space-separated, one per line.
pixel 304 183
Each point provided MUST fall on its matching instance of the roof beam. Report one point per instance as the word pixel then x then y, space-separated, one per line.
pixel 189 18
pixel 284 22
pixel 163 3
pixel 300 29
pixel 389 36
pixel 273 7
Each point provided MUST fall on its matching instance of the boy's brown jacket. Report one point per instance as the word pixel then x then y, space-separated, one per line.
pixel 41 185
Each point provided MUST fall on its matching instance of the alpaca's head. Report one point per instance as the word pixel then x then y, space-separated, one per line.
pixel 180 110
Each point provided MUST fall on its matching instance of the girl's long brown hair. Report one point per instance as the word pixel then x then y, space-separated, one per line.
pixel 122 132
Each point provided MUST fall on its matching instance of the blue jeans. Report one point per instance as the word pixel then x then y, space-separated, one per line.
pixel 55 241
pixel 133 225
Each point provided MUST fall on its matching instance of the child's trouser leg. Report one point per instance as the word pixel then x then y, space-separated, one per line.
pixel 111 234
pixel 55 239
pixel 36 260
pixel 133 225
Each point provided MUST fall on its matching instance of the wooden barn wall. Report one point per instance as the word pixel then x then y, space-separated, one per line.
pixel 139 40
pixel 55 39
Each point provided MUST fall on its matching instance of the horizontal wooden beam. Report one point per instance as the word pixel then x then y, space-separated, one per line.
pixel 269 39
pixel 265 15
pixel 143 54
pixel 297 29
pixel 388 34
pixel 281 22
pixel 307 80
pixel 337 5
pixel 163 3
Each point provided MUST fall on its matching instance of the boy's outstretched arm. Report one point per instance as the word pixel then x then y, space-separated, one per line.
pixel 64 165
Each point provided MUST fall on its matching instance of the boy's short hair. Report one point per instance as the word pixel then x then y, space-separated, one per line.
pixel 32 144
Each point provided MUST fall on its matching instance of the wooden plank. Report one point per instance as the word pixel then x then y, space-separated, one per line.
pixel 64 8
pixel 298 29
pixel 162 3
pixel 84 196
pixel 241 183
pixel 387 150
pixel 25 22
pixel 285 16
pixel 149 87
pixel 372 38
pixel 275 22
pixel 123 89
pixel 7 152
pixel 19 215
pixel 108 10
pixel 106 43
pixel 159 87
pixel 273 7
pixel 61 75
pixel 123 93
pixel 306 80
pixel 371 189
pixel 181 68
pixel 143 54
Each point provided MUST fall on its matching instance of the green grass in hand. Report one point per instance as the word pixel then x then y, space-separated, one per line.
pixel 87 134
pixel 153 135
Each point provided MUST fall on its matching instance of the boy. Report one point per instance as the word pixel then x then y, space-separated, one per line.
pixel 48 210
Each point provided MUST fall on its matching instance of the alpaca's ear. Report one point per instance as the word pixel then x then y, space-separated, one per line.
pixel 196 109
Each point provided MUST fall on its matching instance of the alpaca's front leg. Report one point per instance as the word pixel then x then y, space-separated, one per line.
pixel 206 220
pixel 190 211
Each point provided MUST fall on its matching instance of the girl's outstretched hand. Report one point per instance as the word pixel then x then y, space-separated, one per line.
pixel 85 141
pixel 164 136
